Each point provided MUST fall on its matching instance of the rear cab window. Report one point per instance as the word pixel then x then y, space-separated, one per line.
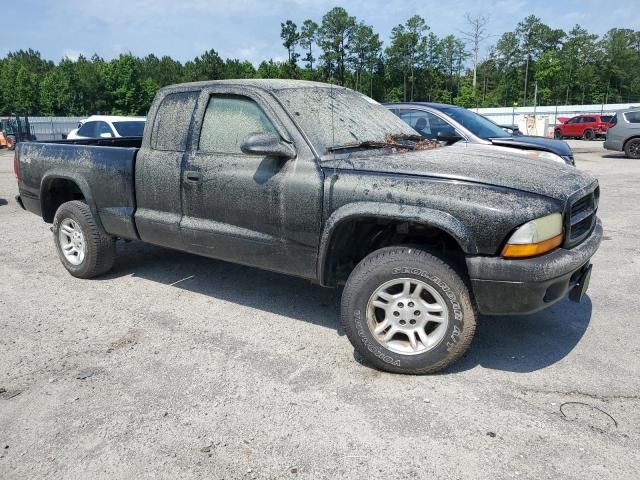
pixel 172 121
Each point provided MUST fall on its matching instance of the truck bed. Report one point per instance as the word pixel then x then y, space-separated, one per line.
pixel 102 169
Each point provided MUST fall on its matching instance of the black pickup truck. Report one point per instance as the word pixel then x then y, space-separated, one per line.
pixel 324 183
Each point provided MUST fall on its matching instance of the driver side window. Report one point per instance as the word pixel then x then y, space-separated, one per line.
pixel 229 120
pixel 425 123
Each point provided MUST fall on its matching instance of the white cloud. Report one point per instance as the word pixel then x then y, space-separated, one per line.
pixel 71 54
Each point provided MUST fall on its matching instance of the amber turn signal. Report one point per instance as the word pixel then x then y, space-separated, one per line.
pixel 514 250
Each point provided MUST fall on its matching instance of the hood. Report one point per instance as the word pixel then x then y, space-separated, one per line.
pixel 472 163
pixel 558 147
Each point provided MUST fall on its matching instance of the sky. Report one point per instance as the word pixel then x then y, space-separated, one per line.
pixel 250 29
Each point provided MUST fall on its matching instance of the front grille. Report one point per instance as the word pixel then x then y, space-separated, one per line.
pixel 582 217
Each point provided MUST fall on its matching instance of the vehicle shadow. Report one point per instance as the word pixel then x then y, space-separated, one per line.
pixel 614 155
pixel 509 343
pixel 272 292
pixel 526 343
pixel 3 202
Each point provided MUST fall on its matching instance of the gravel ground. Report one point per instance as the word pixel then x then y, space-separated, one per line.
pixel 176 366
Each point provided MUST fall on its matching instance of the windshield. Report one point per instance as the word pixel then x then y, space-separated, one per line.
pixel 337 116
pixel 477 124
pixel 130 129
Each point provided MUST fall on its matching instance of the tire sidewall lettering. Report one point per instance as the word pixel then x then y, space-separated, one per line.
pixel 374 348
pixel 449 342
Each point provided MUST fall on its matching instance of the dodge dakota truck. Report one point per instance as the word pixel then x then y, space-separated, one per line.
pixel 324 183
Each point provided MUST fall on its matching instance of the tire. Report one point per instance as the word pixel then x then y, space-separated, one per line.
pixel 588 135
pixel 391 268
pixel 557 134
pixel 11 142
pixel 632 148
pixel 98 248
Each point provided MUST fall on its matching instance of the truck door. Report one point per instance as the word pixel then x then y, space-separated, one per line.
pixel 573 127
pixel 252 209
pixel 158 169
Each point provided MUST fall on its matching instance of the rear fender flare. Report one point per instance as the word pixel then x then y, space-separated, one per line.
pixel 82 184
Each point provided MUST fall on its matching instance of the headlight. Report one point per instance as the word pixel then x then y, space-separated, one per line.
pixel 535 237
pixel 545 155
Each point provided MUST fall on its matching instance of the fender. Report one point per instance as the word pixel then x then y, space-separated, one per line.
pixel 427 216
pixel 82 184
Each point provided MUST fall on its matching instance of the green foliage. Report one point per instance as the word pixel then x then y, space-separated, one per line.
pixel 561 67
pixel 290 38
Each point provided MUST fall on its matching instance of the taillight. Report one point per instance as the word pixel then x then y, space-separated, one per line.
pixel 16 166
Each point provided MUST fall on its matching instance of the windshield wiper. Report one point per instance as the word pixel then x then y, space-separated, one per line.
pixel 369 144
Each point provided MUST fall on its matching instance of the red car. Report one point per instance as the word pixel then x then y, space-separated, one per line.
pixel 586 127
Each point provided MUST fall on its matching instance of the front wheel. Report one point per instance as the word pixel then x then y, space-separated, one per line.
pixel 557 134
pixel 84 249
pixel 11 142
pixel 407 311
pixel 632 148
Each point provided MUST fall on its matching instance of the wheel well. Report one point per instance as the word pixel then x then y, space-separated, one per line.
pixel 354 239
pixel 57 192
pixel 629 139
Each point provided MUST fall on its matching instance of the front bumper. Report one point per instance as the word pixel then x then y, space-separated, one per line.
pixel 610 144
pixel 502 286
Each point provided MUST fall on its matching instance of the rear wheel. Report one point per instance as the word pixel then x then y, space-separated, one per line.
pixel 589 135
pixel 11 142
pixel 407 311
pixel 632 148
pixel 557 134
pixel 83 247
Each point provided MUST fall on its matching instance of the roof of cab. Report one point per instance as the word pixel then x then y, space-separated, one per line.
pixel 270 84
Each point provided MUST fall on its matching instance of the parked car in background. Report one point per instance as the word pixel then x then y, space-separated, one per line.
pixel 449 123
pixel 103 126
pixel 624 133
pixel 587 127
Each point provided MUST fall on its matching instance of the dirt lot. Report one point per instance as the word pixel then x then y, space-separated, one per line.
pixel 176 366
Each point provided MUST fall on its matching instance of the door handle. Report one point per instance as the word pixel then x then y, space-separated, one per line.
pixel 192 176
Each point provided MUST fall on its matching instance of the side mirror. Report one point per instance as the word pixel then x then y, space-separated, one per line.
pixel 267 144
pixel 106 135
pixel 448 135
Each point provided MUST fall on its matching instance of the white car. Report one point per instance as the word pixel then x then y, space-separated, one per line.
pixel 103 126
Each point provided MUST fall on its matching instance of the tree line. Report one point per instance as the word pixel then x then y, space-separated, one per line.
pixel 532 63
